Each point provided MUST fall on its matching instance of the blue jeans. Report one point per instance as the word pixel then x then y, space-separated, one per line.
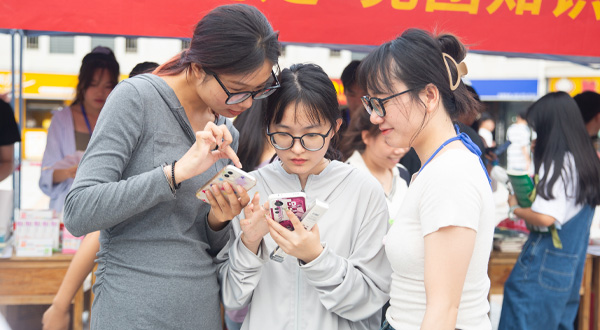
pixel 542 291
pixel 386 326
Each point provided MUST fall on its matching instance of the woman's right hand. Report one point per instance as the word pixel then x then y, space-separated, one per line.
pixel 254 226
pixel 56 319
pixel 202 155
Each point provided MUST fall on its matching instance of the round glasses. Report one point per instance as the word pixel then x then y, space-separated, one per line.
pixel 309 141
pixel 376 104
pixel 239 97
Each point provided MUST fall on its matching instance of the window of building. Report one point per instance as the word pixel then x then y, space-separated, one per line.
pixel 335 53
pixel 62 45
pixel 131 45
pixel 33 43
pixel 283 48
pixel 103 41
pixel 185 44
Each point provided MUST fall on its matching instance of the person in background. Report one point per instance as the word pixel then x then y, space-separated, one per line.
pixel 440 244
pixel 9 135
pixel 589 105
pixel 57 316
pixel 365 148
pixel 353 93
pixel 542 291
pixel 143 67
pixel 518 154
pixel 255 151
pixel 71 127
pixel 335 275
pixel 160 138
pixel 486 127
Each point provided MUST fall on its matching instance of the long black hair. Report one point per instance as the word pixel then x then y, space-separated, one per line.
pixel 560 130
pixel 230 39
pixel 253 137
pixel 307 85
pixel 415 58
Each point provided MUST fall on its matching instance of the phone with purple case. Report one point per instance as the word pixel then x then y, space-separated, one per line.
pixel 231 175
pixel 279 203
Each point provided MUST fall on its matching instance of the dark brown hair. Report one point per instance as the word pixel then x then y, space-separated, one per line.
pixel 230 39
pixel 415 58
pixel 307 85
pixel 89 65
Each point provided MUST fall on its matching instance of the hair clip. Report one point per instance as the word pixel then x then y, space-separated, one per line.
pixel 460 67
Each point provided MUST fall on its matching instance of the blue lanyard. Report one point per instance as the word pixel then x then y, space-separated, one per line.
pixel 87 122
pixel 466 140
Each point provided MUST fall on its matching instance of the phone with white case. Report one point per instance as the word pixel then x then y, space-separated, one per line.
pixel 231 175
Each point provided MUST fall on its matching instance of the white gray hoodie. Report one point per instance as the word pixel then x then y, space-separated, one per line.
pixel 345 287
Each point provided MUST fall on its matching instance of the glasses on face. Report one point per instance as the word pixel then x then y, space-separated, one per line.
pixel 239 97
pixel 376 104
pixel 309 141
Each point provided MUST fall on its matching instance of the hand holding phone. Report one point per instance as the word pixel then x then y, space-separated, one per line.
pixel 231 175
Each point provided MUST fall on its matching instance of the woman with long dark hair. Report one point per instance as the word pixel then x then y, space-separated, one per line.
pixel 160 138
pixel 542 291
pixel 335 275
pixel 440 243
pixel 71 127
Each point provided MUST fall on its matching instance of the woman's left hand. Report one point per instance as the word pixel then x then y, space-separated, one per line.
pixel 225 204
pixel 300 243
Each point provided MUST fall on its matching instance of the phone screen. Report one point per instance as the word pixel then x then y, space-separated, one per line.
pixel 278 207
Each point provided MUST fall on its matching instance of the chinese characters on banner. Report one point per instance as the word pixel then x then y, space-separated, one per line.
pixel 520 7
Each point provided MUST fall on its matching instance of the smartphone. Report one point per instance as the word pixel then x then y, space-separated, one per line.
pixel 279 203
pixel 498 150
pixel 231 175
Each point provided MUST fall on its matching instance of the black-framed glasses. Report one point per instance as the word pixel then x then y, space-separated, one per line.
pixel 239 97
pixel 309 141
pixel 376 104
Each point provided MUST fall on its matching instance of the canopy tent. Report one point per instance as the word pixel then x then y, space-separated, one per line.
pixel 548 29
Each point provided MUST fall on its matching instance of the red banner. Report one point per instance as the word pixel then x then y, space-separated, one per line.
pixel 560 27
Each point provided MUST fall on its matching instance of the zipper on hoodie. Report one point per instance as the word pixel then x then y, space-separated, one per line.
pixel 298 300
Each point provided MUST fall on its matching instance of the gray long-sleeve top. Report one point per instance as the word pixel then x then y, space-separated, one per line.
pixel 345 287
pixel 155 265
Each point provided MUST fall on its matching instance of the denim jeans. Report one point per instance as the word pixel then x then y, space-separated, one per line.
pixel 542 291
pixel 386 326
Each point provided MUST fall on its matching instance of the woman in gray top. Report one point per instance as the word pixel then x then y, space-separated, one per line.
pixel 159 138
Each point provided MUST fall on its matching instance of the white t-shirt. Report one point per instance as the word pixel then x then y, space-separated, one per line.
pixel 487 136
pixel 519 136
pixel 452 190
pixel 563 207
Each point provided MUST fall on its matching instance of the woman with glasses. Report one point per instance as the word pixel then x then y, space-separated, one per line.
pixel 439 245
pixel 160 138
pixel 336 275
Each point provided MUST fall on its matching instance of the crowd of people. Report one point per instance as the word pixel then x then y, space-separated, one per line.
pixel 404 169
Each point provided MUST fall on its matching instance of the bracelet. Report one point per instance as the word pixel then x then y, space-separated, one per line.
pixel 168 178
pixel 177 186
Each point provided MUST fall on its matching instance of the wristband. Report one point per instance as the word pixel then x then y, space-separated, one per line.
pixel 175 185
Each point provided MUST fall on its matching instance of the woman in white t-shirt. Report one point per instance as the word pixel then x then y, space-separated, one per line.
pixel 542 291
pixel 440 244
